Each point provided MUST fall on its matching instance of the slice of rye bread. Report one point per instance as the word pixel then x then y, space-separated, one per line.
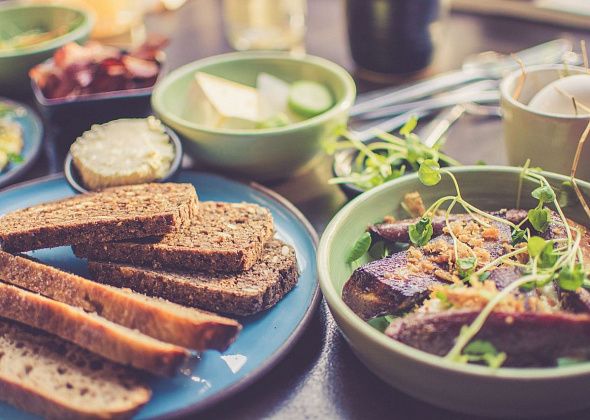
pixel 238 294
pixel 158 318
pixel 90 331
pixel 55 379
pixel 225 238
pixel 118 213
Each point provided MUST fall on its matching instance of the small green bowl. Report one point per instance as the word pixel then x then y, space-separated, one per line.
pixel 259 154
pixel 16 17
pixel 506 392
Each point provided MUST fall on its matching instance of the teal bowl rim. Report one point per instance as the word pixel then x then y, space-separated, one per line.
pixel 341 105
pixel 336 304
pixel 80 31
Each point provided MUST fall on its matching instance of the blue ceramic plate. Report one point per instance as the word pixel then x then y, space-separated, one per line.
pixel 32 135
pixel 266 337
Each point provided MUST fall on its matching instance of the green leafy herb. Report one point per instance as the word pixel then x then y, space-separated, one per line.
pixel 14 158
pixel 571 279
pixel 409 126
pixel 360 247
pixel 548 256
pixel 484 351
pixel 421 231
pixel 544 194
pixel 481 163
pixel 466 266
pixel 518 235
pixel 484 276
pixel 429 172
pixel 539 218
pixel 535 246
pixel 379 250
pixel 386 158
pixel 381 323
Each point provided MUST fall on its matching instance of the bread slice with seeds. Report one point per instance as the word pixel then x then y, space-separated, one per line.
pixel 166 321
pixel 246 293
pixel 90 331
pixel 119 213
pixel 48 376
pixel 225 238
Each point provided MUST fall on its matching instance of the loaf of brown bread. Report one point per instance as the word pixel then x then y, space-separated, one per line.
pixel 118 213
pixel 225 238
pixel 90 331
pixel 243 293
pixel 158 318
pixel 55 379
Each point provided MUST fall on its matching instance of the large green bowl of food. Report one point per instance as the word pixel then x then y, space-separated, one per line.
pixel 467 287
pixel 29 34
pixel 262 115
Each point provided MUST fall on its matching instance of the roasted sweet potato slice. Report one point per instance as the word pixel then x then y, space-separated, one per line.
pixel 528 338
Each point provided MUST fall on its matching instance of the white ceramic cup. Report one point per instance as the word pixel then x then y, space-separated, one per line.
pixel 548 140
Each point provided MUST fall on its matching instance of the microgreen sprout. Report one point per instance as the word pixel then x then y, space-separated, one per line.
pixel 483 351
pixel 387 158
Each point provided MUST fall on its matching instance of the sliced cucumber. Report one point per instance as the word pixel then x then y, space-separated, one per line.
pixel 309 99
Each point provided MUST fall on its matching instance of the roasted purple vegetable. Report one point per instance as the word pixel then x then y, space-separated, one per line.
pixel 527 338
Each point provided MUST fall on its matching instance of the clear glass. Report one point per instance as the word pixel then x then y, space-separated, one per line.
pixel 265 24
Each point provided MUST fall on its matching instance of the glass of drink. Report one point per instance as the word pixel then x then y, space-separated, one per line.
pixel 264 24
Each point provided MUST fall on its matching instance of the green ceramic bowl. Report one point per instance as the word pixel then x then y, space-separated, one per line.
pixel 17 18
pixel 259 154
pixel 466 388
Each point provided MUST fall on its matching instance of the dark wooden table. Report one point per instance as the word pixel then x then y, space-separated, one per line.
pixel 320 377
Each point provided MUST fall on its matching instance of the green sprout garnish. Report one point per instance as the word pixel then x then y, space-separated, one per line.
pixel 389 157
pixel 421 231
pixel 539 218
pixel 429 172
pixel 519 235
pixel 466 266
pixel 483 351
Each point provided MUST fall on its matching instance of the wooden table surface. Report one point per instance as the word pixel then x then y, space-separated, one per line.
pixel 321 377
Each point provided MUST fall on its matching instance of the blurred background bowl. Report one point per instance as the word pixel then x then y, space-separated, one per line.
pixel 18 18
pixel 467 388
pixel 263 154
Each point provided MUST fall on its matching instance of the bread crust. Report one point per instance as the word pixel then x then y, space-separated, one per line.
pixel 114 214
pixel 170 323
pixel 94 333
pixel 239 294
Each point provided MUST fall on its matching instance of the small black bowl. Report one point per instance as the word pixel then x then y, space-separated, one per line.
pixel 73 115
pixel 75 181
